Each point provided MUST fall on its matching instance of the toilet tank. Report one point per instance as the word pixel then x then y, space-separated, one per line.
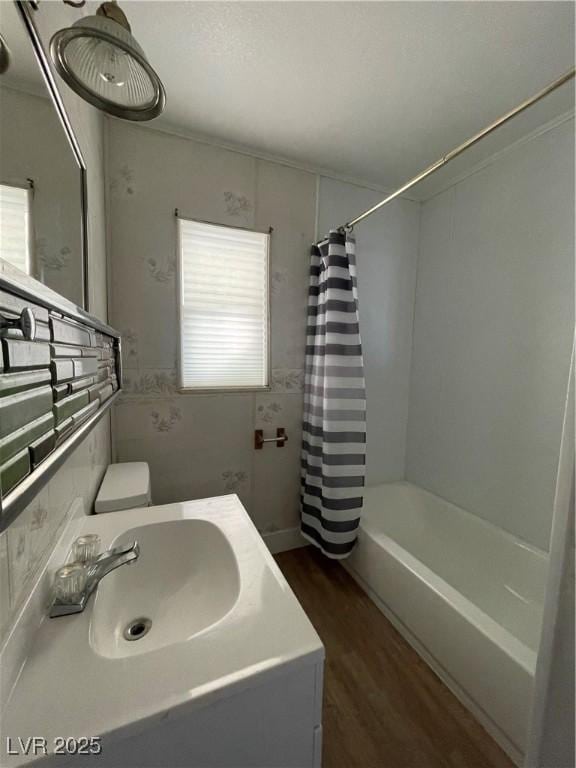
pixel 125 486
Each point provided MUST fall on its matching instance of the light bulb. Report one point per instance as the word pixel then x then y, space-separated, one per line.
pixel 112 64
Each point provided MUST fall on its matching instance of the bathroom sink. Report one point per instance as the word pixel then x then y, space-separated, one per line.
pixel 213 615
pixel 185 581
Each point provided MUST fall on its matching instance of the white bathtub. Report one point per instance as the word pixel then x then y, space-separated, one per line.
pixel 466 594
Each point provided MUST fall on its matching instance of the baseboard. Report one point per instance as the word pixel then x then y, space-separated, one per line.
pixel 282 541
pixel 486 722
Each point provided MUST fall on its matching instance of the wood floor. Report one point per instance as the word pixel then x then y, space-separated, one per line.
pixel 383 706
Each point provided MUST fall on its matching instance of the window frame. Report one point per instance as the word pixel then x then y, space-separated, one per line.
pixel 180 388
pixel 28 187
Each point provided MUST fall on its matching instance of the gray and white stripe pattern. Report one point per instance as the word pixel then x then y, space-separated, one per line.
pixel 334 429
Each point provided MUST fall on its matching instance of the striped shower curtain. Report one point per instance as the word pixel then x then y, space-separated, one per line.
pixel 334 429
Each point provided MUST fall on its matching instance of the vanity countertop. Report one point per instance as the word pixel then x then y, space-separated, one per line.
pixel 68 688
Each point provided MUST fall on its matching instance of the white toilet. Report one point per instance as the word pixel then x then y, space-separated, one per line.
pixel 125 486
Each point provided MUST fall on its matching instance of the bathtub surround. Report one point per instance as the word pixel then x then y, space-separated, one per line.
pixel 27 544
pixel 388 246
pixel 492 336
pixel 464 374
pixel 459 389
pixel 493 321
pixel 334 429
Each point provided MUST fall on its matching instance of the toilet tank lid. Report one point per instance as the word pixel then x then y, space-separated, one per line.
pixel 125 486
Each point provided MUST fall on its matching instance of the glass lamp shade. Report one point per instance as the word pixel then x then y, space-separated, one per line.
pixel 4 56
pixel 101 61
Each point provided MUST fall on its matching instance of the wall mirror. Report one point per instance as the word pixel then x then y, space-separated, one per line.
pixel 42 171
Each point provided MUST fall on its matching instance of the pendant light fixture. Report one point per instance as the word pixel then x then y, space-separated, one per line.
pixel 101 61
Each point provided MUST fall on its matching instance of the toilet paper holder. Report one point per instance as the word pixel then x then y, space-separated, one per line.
pixel 260 440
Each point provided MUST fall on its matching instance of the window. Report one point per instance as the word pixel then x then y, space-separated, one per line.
pixel 15 226
pixel 224 306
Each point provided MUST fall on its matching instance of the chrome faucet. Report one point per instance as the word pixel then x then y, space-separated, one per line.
pixel 95 572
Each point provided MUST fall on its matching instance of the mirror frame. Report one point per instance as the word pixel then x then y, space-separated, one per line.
pixel 26 10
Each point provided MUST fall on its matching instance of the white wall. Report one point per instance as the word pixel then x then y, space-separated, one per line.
pixel 492 336
pixel 387 247
pixel 552 739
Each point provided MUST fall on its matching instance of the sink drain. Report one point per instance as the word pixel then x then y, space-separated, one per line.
pixel 137 628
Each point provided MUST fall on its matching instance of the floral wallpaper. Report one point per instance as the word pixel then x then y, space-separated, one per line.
pixel 277 277
pixel 122 182
pixel 288 380
pixel 27 542
pixel 149 383
pixel 237 205
pixel 164 421
pixel 162 272
pixel 202 445
pixel 233 480
pixel 55 260
pixel 129 348
pixel 268 413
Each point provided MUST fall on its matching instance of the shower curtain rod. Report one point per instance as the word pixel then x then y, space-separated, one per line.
pixel 461 148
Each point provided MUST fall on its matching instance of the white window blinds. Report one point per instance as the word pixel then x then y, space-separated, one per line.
pixel 15 226
pixel 223 274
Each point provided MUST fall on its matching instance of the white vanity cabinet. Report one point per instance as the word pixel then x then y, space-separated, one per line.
pixel 229 674
pixel 275 724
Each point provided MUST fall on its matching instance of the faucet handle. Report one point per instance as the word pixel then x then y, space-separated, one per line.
pixel 86 548
pixel 69 582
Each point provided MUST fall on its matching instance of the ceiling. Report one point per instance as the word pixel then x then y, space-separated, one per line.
pixel 370 90
pixel 373 91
